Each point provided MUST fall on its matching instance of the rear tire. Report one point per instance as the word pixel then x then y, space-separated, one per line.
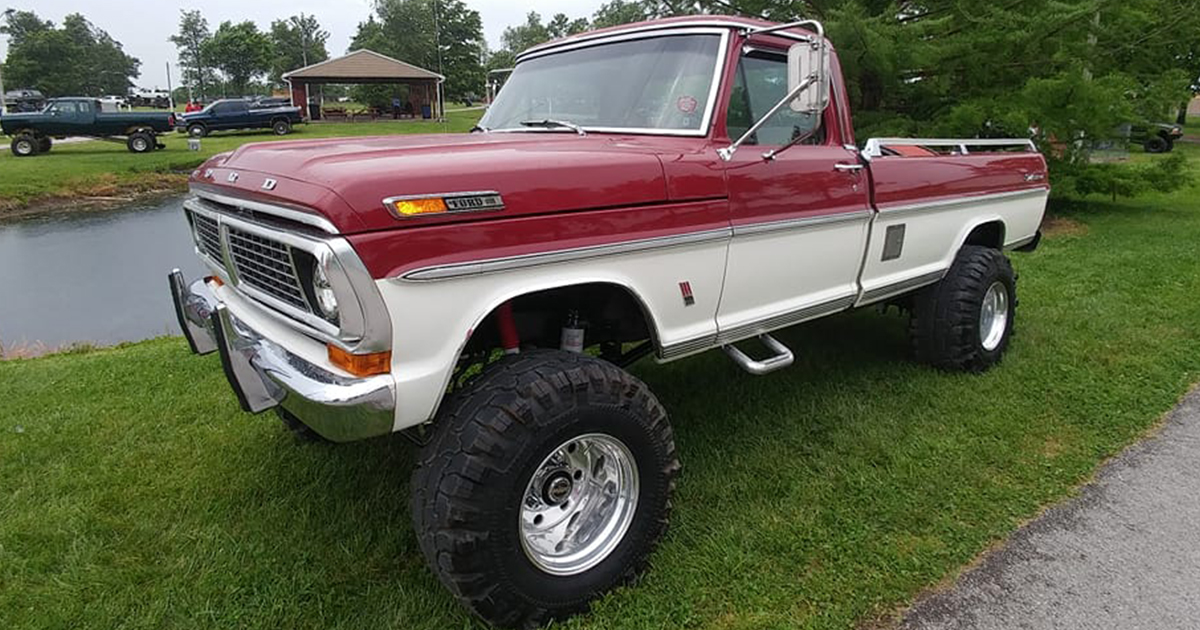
pixel 965 321
pixel 140 142
pixel 504 476
pixel 25 145
pixel 281 127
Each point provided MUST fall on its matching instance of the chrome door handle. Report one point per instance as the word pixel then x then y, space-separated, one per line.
pixel 848 167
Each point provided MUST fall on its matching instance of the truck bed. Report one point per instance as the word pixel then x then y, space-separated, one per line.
pixel 936 191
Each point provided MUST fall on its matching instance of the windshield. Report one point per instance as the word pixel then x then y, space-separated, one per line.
pixel 657 83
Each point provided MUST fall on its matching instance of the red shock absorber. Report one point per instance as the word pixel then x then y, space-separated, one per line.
pixel 509 338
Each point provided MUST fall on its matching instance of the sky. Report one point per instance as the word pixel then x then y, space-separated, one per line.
pixel 143 27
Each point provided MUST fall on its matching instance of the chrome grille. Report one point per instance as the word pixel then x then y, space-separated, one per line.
pixel 266 265
pixel 208 236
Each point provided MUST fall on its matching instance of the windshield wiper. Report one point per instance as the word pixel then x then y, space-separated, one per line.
pixel 551 123
pixel 479 129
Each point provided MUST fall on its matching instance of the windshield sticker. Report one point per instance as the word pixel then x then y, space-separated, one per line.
pixel 687 104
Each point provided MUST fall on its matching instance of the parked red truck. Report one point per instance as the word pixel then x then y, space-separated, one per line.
pixel 661 188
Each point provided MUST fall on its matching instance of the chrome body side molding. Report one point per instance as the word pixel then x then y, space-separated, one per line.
pixel 941 204
pixel 904 286
pixel 459 270
pixel 795 224
pixel 783 320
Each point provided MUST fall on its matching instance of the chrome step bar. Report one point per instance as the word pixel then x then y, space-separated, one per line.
pixel 783 357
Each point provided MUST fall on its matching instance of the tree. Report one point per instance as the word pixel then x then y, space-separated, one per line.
pixel 561 26
pixel 517 39
pixel 439 35
pixel 20 25
pixel 241 52
pixel 77 59
pixel 191 39
pixel 298 41
pixel 620 12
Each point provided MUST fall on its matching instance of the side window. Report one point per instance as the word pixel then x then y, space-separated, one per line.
pixel 85 107
pixel 760 82
pixel 65 108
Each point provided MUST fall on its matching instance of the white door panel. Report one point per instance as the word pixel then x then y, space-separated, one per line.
pixel 786 271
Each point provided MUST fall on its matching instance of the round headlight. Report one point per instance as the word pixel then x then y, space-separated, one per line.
pixel 326 300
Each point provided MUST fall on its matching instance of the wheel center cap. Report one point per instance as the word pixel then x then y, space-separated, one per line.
pixel 558 487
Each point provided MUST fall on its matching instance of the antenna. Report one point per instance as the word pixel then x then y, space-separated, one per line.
pixel 437 45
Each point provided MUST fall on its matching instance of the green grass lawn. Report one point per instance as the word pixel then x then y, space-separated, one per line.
pixel 100 168
pixel 135 494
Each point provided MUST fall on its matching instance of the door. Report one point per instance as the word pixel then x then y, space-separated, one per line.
pixel 799 218
pixel 69 118
pixel 229 115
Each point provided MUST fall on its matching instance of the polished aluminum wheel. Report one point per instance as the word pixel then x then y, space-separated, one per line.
pixel 579 504
pixel 993 316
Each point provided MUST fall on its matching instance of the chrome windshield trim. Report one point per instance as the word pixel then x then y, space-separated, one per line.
pixel 610 38
pixel 795 224
pixel 307 218
pixel 475 268
pixel 961 201
pixel 699 23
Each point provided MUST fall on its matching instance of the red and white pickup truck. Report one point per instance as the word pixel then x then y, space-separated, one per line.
pixel 660 188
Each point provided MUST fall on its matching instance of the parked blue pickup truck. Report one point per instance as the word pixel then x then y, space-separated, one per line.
pixel 239 113
pixel 31 132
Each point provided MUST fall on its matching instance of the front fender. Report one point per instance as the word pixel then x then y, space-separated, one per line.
pixel 432 320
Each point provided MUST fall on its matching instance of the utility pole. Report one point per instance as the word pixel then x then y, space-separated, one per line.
pixel 170 92
pixel 3 102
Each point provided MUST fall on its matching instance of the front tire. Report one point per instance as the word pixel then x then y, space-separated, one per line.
pixel 547 483
pixel 44 144
pixel 25 145
pixel 197 130
pixel 1156 144
pixel 965 321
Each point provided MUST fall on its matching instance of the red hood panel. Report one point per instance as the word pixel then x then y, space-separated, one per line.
pixel 535 173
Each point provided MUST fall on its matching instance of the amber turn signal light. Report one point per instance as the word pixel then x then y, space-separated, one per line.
pixel 360 364
pixel 415 207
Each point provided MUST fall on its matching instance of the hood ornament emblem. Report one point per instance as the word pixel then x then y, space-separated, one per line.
pixel 268 184
pixel 232 177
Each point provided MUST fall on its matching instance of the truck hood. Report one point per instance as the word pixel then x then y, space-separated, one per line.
pixel 534 173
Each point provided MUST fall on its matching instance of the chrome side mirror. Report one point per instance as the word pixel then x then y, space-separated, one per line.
pixel 808 84
pixel 808 63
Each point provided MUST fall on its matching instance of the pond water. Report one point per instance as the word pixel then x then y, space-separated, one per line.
pixel 95 276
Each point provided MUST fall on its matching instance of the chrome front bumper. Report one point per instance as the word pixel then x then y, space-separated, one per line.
pixel 265 375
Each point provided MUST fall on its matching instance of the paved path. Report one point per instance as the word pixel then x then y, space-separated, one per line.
pixel 1125 554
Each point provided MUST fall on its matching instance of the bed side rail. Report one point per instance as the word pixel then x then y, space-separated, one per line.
pixel 879 147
